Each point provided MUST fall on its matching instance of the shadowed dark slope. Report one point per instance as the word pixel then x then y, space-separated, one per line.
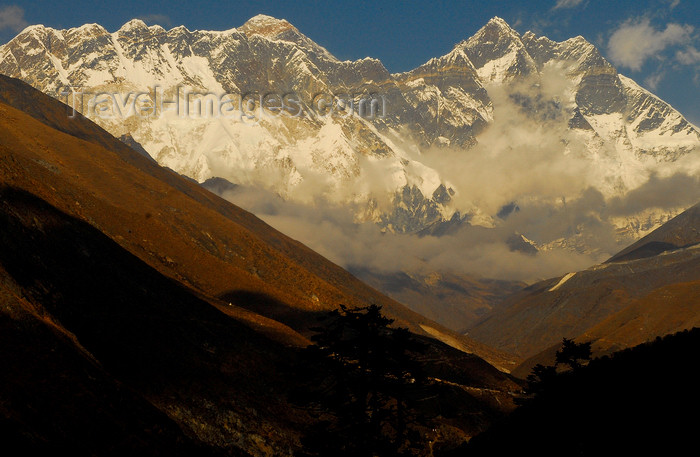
pixel 456 301
pixel 146 330
pixel 57 400
pixel 642 401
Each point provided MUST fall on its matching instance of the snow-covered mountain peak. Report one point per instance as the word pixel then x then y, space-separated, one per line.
pixel 36 28
pixel 43 33
pixel 498 23
pixel 180 29
pixel 529 35
pixel 267 26
pixel 133 25
pixel 579 39
pixel 273 29
pixel 659 125
pixel 498 53
pixel 457 57
pixel 496 31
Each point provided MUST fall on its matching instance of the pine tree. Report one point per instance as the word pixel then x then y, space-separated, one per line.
pixel 372 373
pixel 573 354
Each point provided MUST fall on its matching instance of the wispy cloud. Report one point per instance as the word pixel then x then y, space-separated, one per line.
pixel 652 81
pixel 688 56
pixel 333 232
pixel 562 4
pixel 637 41
pixel 160 19
pixel 12 18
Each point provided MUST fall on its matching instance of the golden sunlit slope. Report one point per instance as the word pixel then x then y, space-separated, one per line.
pixel 664 311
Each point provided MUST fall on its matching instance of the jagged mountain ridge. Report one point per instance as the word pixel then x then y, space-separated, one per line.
pixel 446 102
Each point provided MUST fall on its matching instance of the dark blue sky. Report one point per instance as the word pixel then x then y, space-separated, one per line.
pixel 655 42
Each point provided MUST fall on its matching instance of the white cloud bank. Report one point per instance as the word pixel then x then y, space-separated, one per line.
pixel 12 18
pixel 333 232
pixel 688 56
pixel 637 41
pixel 527 156
pixel 562 4
pixel 161 19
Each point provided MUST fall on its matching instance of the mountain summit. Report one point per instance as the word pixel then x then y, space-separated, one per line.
pixel 266 26
pixel 565 90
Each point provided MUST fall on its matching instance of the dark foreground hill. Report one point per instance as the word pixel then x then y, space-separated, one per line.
pixel 641 401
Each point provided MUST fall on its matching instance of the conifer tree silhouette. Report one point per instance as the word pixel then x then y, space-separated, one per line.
pixel 372 371
pixel 573 354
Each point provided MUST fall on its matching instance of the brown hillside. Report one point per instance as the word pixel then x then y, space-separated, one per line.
pixel 616 305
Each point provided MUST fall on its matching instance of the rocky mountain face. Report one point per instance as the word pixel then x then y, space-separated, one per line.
pixel 373 152
pixel 649 289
